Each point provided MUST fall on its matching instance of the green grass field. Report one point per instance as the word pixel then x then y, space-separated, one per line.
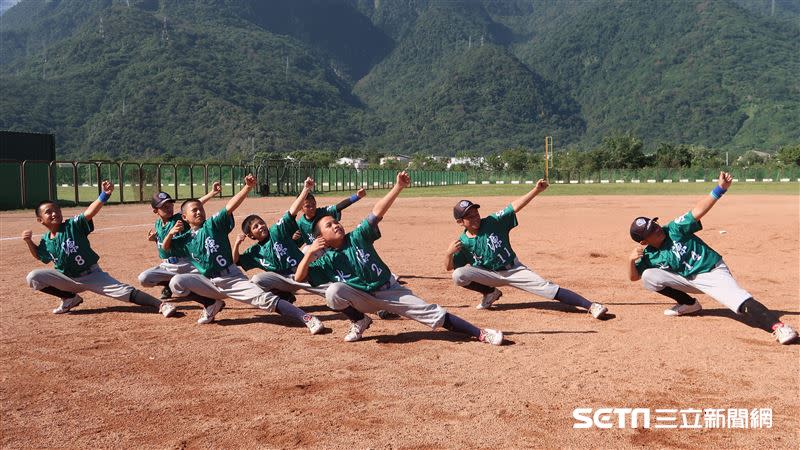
pixel 87 194
pixel 473 190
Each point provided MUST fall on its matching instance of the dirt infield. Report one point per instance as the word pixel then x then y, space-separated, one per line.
pixel 113 375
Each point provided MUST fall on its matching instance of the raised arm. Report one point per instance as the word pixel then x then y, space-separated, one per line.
pixel 308 185
pixel 216 188
pixel 236 200
pixel 301 273
pixel 177 229
pixel 383 205
pixel 523 201
pixel 27 237
pixel 94 208
pixel 704 205
pixel 352 199
pixel 236 244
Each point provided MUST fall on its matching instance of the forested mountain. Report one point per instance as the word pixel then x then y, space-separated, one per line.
pixel 222 78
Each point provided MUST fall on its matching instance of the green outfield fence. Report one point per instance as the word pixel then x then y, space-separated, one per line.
pixel 77 182
pixel 646 175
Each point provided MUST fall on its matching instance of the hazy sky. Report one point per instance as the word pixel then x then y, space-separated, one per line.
pixel 5 4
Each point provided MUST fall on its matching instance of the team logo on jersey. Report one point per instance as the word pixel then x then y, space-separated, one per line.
pixel 494 242
pixel 680 219
pixel 341 276
pixel 311 237
pixel 69 247
pixel 500 213
pixel 280 250
pixel 679 249
pixel 362 256
pixel 211 245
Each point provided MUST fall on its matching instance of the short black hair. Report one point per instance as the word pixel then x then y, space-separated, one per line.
pixel 310 196
pixel 249 221
pixel 315 231
pixel 190 200
pixel 42 203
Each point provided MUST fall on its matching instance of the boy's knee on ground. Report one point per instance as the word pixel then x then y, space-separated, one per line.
pixel 334 297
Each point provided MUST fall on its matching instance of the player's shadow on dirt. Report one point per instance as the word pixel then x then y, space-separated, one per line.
pixel 512 333
pixel 267 320
pixel 418 277
pixel 415 336
pixel 727 313
pixel 550 306
pixel 135 309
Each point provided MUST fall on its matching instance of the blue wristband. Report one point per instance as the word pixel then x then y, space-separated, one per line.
pixel 718 192
pixel 354 198
pixel 103 197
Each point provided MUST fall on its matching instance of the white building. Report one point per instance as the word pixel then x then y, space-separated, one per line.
pixel 468 160
pixel 358 163
pixel 403 159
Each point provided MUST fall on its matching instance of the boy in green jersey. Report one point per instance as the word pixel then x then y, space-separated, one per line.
pixel 275 250
pixel 218 277
pixel 66 244
pixel 361 281
pixel 305 223
pixel 274 253
pixel 172 262
pixel 673 262
pixel 482 258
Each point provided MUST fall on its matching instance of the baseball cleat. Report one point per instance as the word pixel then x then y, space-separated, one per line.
pixel 490 298
pixel 210 311
pixel 167 309
pixel 597 310
pixel 682 310
pixel 314 325
pixel 489 336
pixel 357 329
pixel 166 293
pixel 67 304
pixel 386 315
pixel 784 334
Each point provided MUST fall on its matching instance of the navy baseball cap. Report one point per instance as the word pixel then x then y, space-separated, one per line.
pixel 643 227
pixel 159 198
pixel 461 208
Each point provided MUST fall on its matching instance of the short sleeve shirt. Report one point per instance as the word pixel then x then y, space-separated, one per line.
pixel 681 252
pixel 162 229
pixel 208 246
pixel 491 248
pixel 307 226
pixel 69 249
pixel 357 263
pixel 278 253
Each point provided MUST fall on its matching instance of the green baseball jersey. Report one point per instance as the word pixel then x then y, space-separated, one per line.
pixel 491 248
pixel 69 249
pixel 681 252
pixel 276 254
pixel 162 229
pixel 208 246
pixel 307 226
pixel 357 263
